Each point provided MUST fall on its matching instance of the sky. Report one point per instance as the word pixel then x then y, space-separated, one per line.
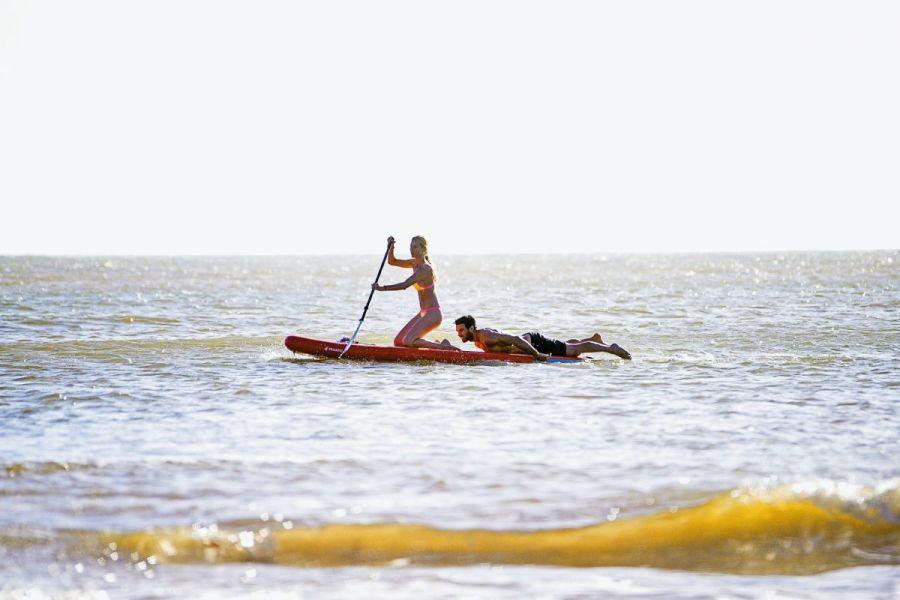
pixel 267 127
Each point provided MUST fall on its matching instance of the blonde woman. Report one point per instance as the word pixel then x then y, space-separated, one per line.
pixel 423 278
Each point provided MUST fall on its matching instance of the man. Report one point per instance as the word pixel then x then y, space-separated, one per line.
pixel 535 344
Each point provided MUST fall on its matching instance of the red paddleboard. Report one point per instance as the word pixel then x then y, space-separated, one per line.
pixel 394 354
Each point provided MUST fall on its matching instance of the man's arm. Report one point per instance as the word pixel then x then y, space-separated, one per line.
pixel 514 340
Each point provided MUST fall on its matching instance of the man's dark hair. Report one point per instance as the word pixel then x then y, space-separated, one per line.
pixel 467 320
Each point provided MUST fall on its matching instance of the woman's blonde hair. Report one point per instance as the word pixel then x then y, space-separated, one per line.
pixel 424 243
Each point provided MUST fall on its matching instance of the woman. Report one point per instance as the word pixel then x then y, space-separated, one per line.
pixel 422 278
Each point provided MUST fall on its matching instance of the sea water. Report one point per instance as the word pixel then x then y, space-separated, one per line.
pixel 158 440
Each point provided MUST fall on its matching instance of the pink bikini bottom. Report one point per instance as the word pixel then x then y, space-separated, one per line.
pixel 425 311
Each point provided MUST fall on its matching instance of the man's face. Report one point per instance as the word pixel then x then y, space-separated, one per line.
pixel 466 335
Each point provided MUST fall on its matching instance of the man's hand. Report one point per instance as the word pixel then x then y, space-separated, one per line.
pixel 390 240
pixel 541 357
pixel 446 342
pixel 377 287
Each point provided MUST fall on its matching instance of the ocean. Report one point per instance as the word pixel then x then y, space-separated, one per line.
pixel 157 440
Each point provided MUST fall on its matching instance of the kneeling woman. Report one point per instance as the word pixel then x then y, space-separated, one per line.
pixel 422 278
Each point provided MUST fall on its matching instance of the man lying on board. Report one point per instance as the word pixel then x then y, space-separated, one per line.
pixel 535 344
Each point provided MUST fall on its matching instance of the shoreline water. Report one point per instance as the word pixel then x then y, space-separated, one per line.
pixel 154 395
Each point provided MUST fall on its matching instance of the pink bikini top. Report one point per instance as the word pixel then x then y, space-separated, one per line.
pixel 419 288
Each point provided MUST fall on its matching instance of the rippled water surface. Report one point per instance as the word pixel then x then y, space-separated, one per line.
pixel 158 440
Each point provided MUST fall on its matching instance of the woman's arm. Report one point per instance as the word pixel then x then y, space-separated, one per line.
pixel 396 286
pixel 399 262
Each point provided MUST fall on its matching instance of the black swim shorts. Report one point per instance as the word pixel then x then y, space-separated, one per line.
pixel 547 345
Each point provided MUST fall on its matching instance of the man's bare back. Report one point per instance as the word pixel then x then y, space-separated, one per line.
pixel 492 340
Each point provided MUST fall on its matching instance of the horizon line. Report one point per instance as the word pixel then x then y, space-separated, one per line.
pixel 452 254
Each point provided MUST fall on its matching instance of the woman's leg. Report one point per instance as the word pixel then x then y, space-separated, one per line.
pixel 424 324
pixel 400 339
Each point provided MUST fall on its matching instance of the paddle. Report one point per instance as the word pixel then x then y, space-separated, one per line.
pixel 371 293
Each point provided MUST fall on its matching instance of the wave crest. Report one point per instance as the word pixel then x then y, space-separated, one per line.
pixel 795 529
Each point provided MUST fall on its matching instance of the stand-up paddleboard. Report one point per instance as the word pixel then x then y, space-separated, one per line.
pixel 358 351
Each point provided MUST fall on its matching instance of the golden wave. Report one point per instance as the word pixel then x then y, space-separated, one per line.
pixel 776 532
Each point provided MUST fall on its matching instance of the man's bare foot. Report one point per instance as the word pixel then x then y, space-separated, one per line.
pixel 620 351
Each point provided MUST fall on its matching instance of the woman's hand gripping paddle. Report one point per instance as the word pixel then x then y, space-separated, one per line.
pixel 371 293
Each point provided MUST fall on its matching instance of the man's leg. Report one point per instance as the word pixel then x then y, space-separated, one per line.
pixel 588 346
pixel 594 338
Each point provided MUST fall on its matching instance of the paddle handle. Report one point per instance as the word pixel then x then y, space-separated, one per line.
pixel 371 293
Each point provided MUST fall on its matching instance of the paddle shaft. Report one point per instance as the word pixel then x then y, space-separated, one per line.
pixel 366 309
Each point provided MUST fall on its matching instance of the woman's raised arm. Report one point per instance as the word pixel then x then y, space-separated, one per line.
pixel 398 262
